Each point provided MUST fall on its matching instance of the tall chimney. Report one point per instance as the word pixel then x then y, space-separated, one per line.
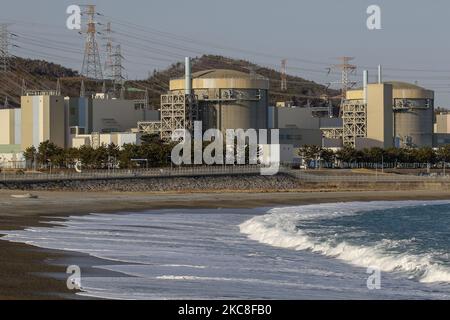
pixel 380 75
pixel 365 83
pixel 188 75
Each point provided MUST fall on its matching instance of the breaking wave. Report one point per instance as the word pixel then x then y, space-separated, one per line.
pixel 282 227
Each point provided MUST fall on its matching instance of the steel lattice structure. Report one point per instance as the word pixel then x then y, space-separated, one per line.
pixel 178 112
pixel 332 133
pixel 92 66
pixel 283 75
pixel 4 48
pixel 354 116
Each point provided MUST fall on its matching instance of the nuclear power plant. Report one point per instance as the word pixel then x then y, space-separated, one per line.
pixel 384 114
pixel 220 99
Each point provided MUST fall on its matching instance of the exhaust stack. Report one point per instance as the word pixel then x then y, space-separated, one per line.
pixel 365 83
pixel 188 75
pixel 380 74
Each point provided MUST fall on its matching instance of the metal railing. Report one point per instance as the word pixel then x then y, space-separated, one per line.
pixel 311 177
pixel 182 171
pixel 131 173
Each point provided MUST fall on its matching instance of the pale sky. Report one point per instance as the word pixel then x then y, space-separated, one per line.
pixel 412 45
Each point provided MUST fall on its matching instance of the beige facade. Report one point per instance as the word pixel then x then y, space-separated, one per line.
pixel 442 123
pixel 221 78
pixel 379 114
pixel 411 119
pixel 43 118
pixel 228 99
pixel 10 126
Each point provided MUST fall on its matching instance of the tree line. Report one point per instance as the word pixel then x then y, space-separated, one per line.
pixel 152 152
pixel 347 155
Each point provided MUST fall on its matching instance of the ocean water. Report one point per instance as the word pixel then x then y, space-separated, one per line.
pixel 319 251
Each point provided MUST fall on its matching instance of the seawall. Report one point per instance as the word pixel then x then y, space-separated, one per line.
pixel 246 182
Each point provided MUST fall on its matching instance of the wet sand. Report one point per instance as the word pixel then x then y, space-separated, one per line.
pixel 28 272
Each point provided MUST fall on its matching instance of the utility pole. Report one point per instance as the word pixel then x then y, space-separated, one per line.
pixel 284 75
pixel 92 67
pixel 4 48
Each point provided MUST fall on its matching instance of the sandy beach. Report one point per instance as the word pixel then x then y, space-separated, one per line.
pixel 25 269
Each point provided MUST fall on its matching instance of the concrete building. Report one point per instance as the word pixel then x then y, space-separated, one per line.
pixel 442 130
pixel 394 111
pixel 43 118
pixel 106 115
pixel 96 140
pixel 298 126
pixel 442 124
pixel 227 99
pixel 11 156
pixel 10 126
pixel 285 153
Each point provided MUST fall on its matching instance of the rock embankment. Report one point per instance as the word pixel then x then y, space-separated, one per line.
pixel 203 183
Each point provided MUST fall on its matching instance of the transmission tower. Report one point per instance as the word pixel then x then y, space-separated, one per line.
pixel 58 87
pixel 82 89
pixel 4 48
pixel 116 66
pixel 24 87
pixel 346 69
pixel 92 67
pixel 283 75
pixel 109 52
pixel 6 103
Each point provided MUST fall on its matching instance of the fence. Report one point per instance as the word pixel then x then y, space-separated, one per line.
pixel 131 173
pixel 307 176
pixel 311 177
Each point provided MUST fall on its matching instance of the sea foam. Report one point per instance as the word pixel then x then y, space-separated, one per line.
pixel 279 228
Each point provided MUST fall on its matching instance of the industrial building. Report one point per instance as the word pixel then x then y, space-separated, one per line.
pixel 102 115
pixel 106 115
pixel 96 140
pixel 442 124
pixel 382 114
pixel 298 126
pixel 10 120
pixel 10 138
pixel 43 118
pixel 46 115
pixel 385 114
pixel 221 99
pixel 442 129
pixel 228 99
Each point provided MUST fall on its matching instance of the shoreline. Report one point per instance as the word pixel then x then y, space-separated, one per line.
pixel 26 269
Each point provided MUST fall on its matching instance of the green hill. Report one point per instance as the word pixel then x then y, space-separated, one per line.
pixel 40 74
